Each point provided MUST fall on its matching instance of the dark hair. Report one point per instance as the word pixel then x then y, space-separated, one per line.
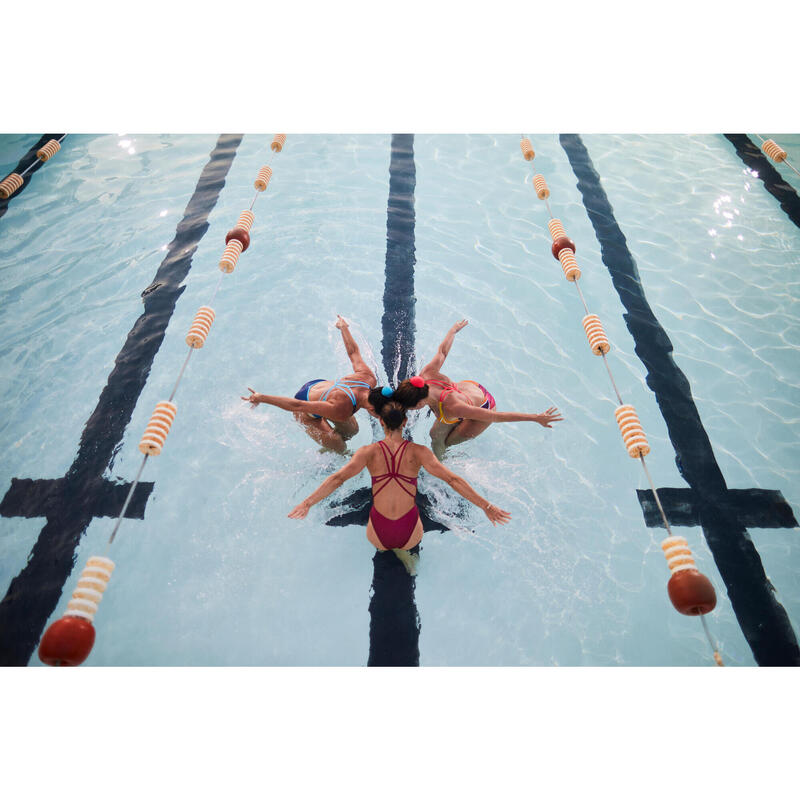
pixel 408 394
pixel 388 409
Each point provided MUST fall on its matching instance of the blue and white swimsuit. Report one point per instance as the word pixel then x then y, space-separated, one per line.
pixel 343 385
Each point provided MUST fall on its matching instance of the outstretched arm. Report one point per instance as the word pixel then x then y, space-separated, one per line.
pixel 458 408
pixel 324 408
pixel 353 353
pixel 435 364
pixel 332 482
pixel 439 470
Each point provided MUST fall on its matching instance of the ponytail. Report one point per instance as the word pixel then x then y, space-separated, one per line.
pixel 392 412
pixel 409 393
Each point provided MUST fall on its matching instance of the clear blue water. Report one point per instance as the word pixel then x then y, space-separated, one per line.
pixel 216 574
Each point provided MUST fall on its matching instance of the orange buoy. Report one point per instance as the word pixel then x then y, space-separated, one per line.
pixel 262 180
pixel 67 642
pixel 527 149
pixel 48 150
pixel 773 150
pixel 231 255
pixel 598 340
pixel 10 185
pixel 570 266
pixel 155 433
pixel 246 220
pixel 632 432
pixel 201 325
pixel 540 185
pixel 556 229
pixel 278 142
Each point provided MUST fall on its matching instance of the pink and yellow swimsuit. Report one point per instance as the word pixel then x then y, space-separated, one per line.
pixel 449 388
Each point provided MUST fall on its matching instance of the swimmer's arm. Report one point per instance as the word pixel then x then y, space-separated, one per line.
pixel 437 361
pixel 322 407
pixel 439 470
pixel 353 353
pixel 458 408
pixel 332 482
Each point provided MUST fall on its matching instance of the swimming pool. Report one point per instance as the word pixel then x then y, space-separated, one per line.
pixel 215 574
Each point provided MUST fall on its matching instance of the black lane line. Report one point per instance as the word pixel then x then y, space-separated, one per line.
pixel 397 347
pixel 70 503
pixel 26 160
pixel 763 620
pixel 394 620
pixel 773 181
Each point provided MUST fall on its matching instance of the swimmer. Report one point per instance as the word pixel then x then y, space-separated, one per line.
pixel 326 408
pixel 464 409
pixel 394 464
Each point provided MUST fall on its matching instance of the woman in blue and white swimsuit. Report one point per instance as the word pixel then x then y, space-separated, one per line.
pixel 326 408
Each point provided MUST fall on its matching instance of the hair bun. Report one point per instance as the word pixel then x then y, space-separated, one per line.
pixel 387 391
pixel 417 381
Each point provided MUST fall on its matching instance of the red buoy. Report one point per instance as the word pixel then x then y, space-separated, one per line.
pixel 562 243
pixel 691 592
pixel 67 642
pixel 241 234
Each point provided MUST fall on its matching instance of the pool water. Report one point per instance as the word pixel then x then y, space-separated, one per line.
pixel 216 574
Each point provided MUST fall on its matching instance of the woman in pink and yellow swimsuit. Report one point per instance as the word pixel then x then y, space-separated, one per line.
pixel 394 463
pixel 464 409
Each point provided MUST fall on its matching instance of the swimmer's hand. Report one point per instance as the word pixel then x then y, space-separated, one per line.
pixel 551 415
pixel 341 322
pixel 496 515
pixel 300 511
pixel 459 325
pixel 254 398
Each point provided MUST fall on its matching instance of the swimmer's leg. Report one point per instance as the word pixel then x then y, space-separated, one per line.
pixel 465 430
pixel 438 434
pixel 347 430
pixel 409 560
pixel 321 432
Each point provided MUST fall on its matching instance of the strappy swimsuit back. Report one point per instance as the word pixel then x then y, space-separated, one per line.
pixel 393 466
pixel 347 387
pixel 394 533
pixel 449 388
pixel 343 385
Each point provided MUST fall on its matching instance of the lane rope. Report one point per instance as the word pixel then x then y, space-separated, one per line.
pixel 13 181
pixel 69 640
pixel 690 592
pixel 776 153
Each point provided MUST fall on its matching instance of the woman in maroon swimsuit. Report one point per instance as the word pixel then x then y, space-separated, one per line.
pixel 394 463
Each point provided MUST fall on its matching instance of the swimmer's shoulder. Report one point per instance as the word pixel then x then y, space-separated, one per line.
pixel 368 452
pixel 419 452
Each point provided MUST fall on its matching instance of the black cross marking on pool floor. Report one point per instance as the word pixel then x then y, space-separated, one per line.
pixel 70 503
pixel 723 513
